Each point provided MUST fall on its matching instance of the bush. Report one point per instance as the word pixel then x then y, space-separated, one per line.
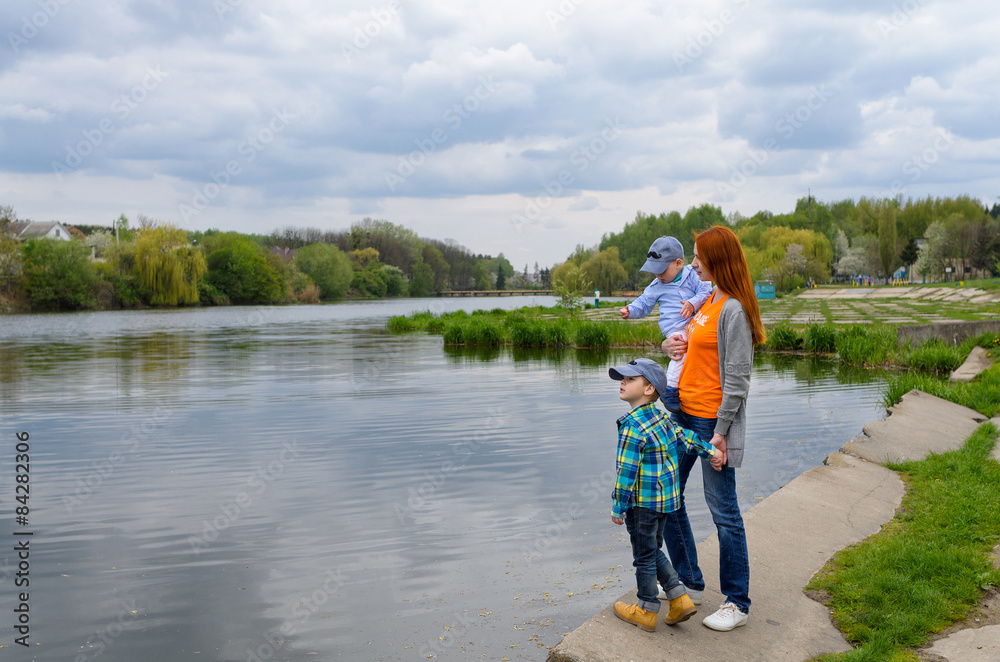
pixel 594 335
pixel 934 356
pixel 784 337
pixel 328 267
pixel 483 332
pixel 866 344
pixel 454 334
pixel 820 338
pixel 209 294
pixel 58 275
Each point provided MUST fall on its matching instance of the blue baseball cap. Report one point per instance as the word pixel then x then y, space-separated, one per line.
pixel 663 251
pixel 644 367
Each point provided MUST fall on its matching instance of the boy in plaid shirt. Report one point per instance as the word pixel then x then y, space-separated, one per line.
pixel 646 490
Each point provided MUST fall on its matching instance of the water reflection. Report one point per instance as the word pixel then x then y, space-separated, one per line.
pixel 310 485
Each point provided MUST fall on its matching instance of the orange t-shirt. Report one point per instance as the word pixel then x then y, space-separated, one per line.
pixel 700 385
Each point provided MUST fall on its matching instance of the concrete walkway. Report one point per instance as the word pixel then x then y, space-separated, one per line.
pixel 791 535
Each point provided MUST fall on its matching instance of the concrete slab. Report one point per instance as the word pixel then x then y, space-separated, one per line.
pixel 918 425
pixel 977 362
pixel 971 645
pixel 791 535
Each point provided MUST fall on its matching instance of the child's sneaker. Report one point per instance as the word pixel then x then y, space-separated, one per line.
pixel 681 609
pixel 728 617
pixel 671 399
pixel 636 615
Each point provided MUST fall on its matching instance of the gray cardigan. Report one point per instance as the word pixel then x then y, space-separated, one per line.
pixel 735 341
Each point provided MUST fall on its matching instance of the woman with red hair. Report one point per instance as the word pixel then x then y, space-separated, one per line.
pixel 713 391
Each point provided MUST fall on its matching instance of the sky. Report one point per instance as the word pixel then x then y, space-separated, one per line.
pixel 518 127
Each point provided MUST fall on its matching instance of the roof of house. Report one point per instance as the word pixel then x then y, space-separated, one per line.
pixel 23 230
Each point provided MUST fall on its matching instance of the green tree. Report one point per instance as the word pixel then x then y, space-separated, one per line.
pixel 440 268
pixel 481 275
pixel 909 254
pixel 168 268
pixel 934 253
pixel 58 275
pixel 240 270
pixel 605 271
pixel 396 284
pixel 887 252
pixel 422 283
pixel 570 285
pixel 328 267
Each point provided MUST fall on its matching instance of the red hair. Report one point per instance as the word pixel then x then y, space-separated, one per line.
pixel 720 251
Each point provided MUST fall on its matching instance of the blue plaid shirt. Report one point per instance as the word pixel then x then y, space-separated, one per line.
pixel 647 460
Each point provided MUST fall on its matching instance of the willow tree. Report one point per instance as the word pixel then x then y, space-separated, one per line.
pixel 168 267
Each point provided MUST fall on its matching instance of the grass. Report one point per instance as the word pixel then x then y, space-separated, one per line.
pixel 867 345
pixel 929 566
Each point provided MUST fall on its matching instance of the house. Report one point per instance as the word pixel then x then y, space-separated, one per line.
pixel 24 230
pixel 285 254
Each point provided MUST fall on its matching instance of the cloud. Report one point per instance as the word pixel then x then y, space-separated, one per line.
pixel 509 103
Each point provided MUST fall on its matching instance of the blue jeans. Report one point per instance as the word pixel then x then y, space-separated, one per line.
pixel 720 494
pixel 645 531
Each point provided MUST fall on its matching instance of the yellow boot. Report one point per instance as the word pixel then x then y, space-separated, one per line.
pixel 636 615
pixel 681 609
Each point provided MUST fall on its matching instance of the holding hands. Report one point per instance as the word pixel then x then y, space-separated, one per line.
pixel 719 459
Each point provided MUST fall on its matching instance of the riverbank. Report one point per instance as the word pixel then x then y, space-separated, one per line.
pixel 792 534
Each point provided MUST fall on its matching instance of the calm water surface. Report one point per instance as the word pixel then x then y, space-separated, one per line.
pixel 298 484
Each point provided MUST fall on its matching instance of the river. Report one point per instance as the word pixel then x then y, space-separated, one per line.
pixel 296 483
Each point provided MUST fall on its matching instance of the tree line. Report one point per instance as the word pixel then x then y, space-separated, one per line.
pixel 932 238
pixel 157 264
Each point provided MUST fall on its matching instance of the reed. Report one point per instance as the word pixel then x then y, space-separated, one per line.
pixel 820 339
pixel 866 344
pixel 783 337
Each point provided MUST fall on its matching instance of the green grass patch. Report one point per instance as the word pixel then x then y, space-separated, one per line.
pixel 783 338
pixel 820 339
pixel 866 344
pixel 983 395
pixel 930 565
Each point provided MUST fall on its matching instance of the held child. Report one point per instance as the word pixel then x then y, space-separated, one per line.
pixel 679 292
pixel 647 491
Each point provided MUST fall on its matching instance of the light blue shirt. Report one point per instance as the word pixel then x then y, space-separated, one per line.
pixel 670 296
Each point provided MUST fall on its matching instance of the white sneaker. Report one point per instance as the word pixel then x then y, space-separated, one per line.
pixel 728 617
pixel 696 596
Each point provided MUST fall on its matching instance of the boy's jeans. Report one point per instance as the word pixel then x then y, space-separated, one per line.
pixel 645 530
pixel 720 494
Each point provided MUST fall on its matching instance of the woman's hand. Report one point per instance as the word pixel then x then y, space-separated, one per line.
pixel 720 445
pixel 674 346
